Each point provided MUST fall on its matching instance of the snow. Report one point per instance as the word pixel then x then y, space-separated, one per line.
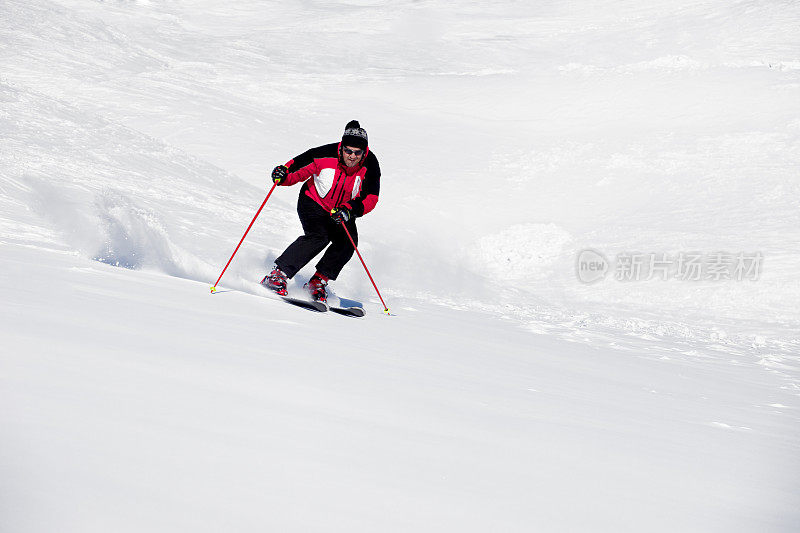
pixel 504 393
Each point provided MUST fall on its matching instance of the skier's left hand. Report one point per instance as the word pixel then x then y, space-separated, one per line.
pixel 341 214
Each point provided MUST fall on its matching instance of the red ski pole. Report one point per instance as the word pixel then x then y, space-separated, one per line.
pixel 214 288
pixel 385 309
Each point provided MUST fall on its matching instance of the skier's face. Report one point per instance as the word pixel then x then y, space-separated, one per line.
pixel 352 155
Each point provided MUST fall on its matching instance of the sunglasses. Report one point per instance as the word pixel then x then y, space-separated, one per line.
pixel 356 153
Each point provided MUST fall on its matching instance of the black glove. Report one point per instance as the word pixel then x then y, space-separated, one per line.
pixel 279 174
pixel 341 214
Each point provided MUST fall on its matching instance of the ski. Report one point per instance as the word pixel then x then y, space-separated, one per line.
pixel 345 306
pixel 307 304
pixel 357 312
pixel 301 298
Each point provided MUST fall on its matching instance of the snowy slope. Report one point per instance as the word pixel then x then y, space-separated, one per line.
pixel 134 401
pixel 505 394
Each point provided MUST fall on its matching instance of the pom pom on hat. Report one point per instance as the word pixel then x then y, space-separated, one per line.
pixel 355 135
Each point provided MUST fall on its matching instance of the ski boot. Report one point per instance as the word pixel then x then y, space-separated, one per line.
pixel 276 282
pixel 316 286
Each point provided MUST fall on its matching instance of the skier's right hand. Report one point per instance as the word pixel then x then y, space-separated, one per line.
pixel 279 174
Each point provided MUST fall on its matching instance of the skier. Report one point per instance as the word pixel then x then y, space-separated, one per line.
pixel 341 183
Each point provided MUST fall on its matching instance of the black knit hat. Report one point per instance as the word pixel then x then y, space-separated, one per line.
pixel 355 135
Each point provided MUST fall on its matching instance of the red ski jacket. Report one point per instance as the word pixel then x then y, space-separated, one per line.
pixel 330 183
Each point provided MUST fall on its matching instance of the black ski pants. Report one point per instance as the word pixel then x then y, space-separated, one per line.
pixel 319 231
